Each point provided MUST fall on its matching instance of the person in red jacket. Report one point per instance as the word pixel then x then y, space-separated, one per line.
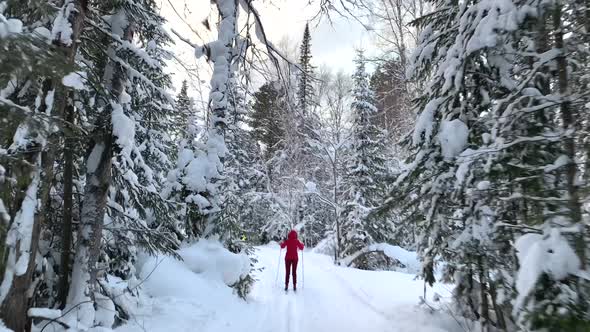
pixel 291 258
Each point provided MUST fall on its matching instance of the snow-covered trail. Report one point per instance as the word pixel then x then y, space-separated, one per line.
pixel 331 298
pixel 338 299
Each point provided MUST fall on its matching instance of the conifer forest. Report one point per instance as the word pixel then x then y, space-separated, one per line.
pixel 431 157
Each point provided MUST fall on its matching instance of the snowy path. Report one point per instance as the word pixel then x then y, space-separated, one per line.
pixel 325 303
pixel 338 299
pixel 332 299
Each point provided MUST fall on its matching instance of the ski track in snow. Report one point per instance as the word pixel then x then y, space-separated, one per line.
pixel 331 298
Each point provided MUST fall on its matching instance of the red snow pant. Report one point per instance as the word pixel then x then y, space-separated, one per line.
pixel 291 264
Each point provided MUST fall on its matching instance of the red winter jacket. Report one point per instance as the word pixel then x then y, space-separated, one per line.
pixel 292 244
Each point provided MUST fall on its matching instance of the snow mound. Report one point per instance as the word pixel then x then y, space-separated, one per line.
pixel 206 265
pixel 10 26
pixel 325 246
pixel 311 187
pixel 192 294
pixel 3 327
pixel 123 129
pixel 408 258
pixel 211 259
pixel 559 162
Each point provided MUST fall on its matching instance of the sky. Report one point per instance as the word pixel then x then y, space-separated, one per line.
pixel 333 43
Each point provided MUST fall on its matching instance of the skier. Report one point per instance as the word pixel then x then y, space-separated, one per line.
pixel 291 258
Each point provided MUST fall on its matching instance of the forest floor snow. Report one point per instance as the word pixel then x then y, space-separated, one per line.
pixel 329 298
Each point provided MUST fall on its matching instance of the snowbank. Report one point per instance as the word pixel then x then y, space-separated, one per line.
pixel 206 265
pixel 192 294
pixel 211 259
pixel 408 258
pixel 169 293
pixel 325 246
pixel 3 327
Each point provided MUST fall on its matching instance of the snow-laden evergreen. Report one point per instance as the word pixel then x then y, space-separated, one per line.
pixel 492 161
pixel 110 174
pixel 305 90
pixel 365 171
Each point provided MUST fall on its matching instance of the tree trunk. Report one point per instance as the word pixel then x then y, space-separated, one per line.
pixel 501 322
pixel 15 304
pixel 485 308
pixel 568 122
pixel 98 176
pixel 67 212
pixel 98 180
pixel 336 207
pixel 219 95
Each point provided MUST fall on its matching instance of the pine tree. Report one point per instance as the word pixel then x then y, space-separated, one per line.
pixel 128 152
pixel 134 199
pixel 550 302
pixel 365 171
pixel 305 91
pixel 302 137
pixel 242 181
pixel 184 113
pixel 490 154
pixel 36 140
pixel 444 180
pixel 268 109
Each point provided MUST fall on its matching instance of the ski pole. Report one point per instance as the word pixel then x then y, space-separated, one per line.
pixel 278 267
pixel 302 271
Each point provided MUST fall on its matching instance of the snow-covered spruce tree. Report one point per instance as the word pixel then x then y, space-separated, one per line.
pixel 305 91
pixel 122 165
pixel 139 216
pixel 431 186
pixel 527 172
pixel 444 186
pixel 31 89
pixel 552 93
pixel 301 135
pixel 365 172
pixel 184 106
pixel 184 116
pixel 243 180
pixel 84 285
pixel 486 161
pixel 178 187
